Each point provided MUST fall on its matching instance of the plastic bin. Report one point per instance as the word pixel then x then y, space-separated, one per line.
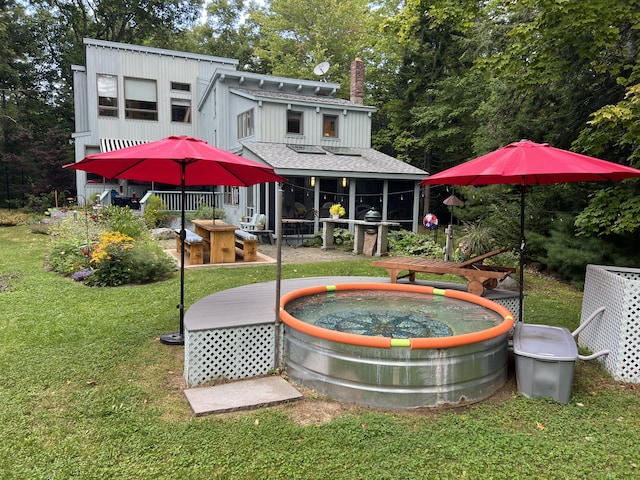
pixel 545 361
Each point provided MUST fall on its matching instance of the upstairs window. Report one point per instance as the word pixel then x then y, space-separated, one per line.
pixel 107 96
pixel 180 110
pixel 245 124
pixel 180 87
pixel 141 99
pixel 294 122
pixel 329 125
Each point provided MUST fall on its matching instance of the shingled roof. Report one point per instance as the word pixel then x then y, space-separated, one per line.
pixel 365 162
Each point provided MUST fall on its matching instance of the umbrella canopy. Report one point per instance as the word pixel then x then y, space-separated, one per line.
pixel 163 161
pixel 529 163
pixel 178 160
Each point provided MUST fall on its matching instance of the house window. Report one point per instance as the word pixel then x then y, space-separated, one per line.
pixel 294 122
pixel 329 125
pixel 107 96
pixel 180 110
pixel 232 196
pixel 140 99
pixel 245 124
pixel 181 87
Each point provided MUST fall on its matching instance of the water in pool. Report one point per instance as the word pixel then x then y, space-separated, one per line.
pixel 393 314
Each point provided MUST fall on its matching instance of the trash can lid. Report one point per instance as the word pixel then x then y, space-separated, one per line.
pixel 544 342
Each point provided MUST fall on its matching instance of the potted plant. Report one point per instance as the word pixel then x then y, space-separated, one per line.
pixel 336 211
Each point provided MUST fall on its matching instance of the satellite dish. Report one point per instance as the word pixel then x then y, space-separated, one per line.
pixel 321 68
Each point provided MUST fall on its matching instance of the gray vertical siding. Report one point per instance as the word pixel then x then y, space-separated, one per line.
pixel 162 66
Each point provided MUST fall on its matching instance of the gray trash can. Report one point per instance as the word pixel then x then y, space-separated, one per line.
pixel 545 361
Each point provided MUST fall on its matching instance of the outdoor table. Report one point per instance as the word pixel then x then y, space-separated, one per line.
pixel 360 227
pixel 221 238
pixel 297 226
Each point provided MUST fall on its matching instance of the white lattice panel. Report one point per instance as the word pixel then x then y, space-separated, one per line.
pixel 228 353
pixel 618 328
pixel 511 304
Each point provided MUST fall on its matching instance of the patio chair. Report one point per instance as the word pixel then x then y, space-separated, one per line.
pixel 252 224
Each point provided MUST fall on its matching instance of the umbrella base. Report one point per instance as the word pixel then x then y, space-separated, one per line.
pixel 175 338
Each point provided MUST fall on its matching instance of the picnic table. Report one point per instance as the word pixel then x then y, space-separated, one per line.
pixel 219 239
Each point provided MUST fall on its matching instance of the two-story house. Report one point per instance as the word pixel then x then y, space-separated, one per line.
pixel 127 94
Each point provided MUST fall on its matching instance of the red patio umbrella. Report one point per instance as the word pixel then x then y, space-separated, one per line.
pixel 529 163
pixel 184 161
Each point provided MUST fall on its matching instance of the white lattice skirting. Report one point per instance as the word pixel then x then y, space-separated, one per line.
pixel 228 353
pixel 618 330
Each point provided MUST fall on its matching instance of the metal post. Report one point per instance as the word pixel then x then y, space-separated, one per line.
pixel 177 338
pixel 277 326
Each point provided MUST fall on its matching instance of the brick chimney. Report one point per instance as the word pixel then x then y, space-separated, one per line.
pixel 357 81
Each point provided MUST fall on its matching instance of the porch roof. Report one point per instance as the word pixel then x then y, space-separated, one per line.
pixel 364 163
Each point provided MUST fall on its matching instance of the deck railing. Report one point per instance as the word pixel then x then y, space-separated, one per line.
pixel 173 200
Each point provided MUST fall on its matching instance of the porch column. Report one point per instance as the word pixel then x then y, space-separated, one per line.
pixel 416 208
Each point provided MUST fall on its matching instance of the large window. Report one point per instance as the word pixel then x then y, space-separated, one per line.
pixel 140 99
pixel 107 96
pixel 245 124
pixel 329 125
pixel 180 110
pixel 294 122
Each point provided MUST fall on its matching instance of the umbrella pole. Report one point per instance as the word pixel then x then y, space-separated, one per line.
pixel 522 245
pixel 177 338
pixel 277 356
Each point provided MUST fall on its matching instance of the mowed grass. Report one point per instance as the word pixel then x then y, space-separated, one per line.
pixel 87 391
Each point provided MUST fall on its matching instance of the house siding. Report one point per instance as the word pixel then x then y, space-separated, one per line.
pixel 80 98
pixel 153 64
pixel 219 93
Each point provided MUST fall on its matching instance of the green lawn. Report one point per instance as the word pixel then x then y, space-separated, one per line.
pixel 87 391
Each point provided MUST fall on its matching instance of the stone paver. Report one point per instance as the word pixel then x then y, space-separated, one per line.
pixel 241 395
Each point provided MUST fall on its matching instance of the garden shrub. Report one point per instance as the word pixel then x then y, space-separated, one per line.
pixel 206 212
pixel 150 263
pixel 341 236
pixel 86 252
pixel 12 219
pixel 40 203
pixel 72 239
pixel 109 260
pixel 410 244
pixel 122 219
pixel 476 240
pixel 155 212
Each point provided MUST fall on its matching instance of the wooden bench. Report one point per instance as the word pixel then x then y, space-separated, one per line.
pixel 264 236
pixel 246 246
pixel 194 245
pixel 480 276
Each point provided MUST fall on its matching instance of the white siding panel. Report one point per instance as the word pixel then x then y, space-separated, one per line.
pixel 164 69
pixel 354 129
pixel 80 99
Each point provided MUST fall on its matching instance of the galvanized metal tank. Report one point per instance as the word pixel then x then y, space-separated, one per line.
pixel 392 372
pixel 396 377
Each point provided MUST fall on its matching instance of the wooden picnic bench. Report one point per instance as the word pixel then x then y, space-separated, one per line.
pixel 246 245
pixel 194 245
pixel 479 275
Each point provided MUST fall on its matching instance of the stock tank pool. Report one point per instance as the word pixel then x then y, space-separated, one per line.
pixel 395 345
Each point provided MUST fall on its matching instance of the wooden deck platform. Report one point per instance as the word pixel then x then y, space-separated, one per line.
pixel 231 334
